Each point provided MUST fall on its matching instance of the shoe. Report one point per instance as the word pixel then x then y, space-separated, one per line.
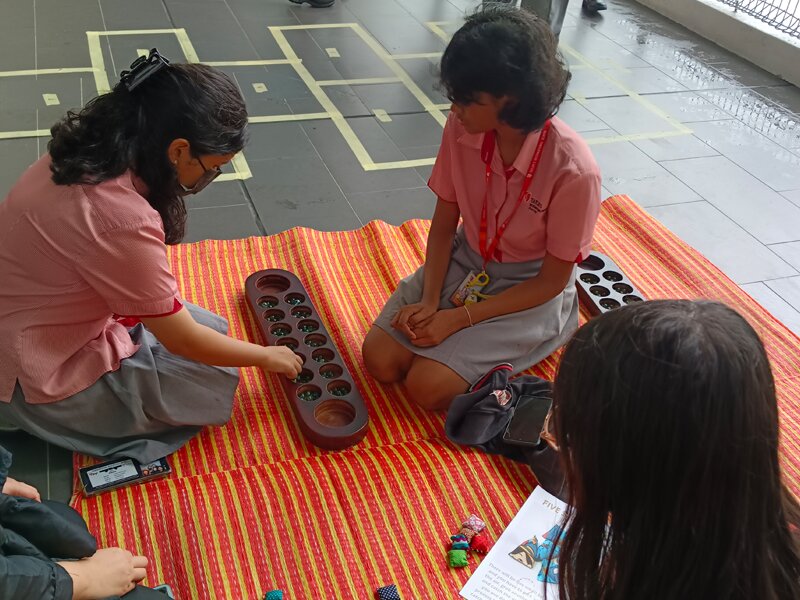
pixel 594 6
pixel 315 3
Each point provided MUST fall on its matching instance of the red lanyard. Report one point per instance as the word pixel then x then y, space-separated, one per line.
pixel 488 153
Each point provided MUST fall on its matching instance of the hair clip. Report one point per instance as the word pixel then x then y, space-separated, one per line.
pixel 142 69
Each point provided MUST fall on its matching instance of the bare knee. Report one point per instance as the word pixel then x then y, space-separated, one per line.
pixel 432 386
pixel 385 359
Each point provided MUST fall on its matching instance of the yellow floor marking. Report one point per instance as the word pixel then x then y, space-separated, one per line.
pixel 240 167
pixel 635 137
pixel 435 27
pixel 11 135
pixel 319 94
pixel 401 73
pixel 297 117
pixel 365 81
pixel 51 99
pixel 382 115
pixel 416 55
pixel 260 88
pixel 35 72
pixel 143 52
pixel 628 91
pixel 399 164
pixel 332 52
pixel 250 63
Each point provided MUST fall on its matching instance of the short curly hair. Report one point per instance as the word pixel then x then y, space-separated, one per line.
pixel 505 51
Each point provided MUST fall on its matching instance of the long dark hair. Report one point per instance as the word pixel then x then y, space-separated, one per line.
pixel 506 51
pixel 125 130
pixel 667 420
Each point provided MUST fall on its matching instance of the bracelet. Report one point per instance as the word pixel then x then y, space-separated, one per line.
pixel 469 316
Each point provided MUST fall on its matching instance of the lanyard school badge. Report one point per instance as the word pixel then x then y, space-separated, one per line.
pixel 470 290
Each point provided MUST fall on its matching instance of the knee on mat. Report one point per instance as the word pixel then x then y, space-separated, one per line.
pixel 379 364
pixel 427 394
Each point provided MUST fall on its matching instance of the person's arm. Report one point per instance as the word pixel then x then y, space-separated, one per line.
pixel 180 334
pixel 31 577
pixel 109 573
pixel 551 281
pixel 437 260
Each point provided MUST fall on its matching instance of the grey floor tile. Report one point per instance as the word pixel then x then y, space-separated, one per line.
pixel 278 140
pixel 219 193
pixel 788 289
pixel 18 155
pixel 413 130
pixel 29 459
pixel 579 118
pixel 596 49
pixel 214 30
pixel 61 34
pixel 395 206
pixel 675 147
pixel 793 195
pixel 343 97
pixel 391 98
pixel 628 170
pixel 776 166
pixel 290 193
pixel 24 107
pixel 687 107
pixel 647 80
pixel 425 73
pixel 425 10
pixel 220 223
pixel 267 90
pixel 17 39
pixel 406 34
pixel 149 14
pixel 789 251
pixel 347 170
pixel 590 83
pixel 780 309
pixel 767 215
pixel 742 257
pixel 630 115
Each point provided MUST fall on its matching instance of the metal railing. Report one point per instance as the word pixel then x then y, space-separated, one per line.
pixel 783 15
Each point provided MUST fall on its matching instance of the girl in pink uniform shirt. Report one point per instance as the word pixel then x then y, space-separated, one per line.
pixel 500 286
pixel 99 354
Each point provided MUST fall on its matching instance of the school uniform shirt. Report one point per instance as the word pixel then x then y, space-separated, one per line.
pixel 559 211
pixel 71 259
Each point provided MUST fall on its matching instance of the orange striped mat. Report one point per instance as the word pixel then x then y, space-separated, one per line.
pixel 252 506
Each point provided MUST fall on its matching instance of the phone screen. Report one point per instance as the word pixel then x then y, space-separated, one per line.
pixel 110 474
pixel 528 419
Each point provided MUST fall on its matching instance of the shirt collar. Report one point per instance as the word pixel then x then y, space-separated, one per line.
pixel 521 163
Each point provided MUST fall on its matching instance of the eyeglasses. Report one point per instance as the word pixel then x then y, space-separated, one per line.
pixel 206 178
pixel 547 434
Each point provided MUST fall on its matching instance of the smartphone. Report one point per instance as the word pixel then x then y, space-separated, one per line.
pixel 117 473
pixel 526 424
pixel 166 590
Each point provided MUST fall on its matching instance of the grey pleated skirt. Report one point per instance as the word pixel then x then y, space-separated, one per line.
pixel 523 338
pixel 148 408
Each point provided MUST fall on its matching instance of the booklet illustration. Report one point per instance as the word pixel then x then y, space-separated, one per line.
pixel 524 561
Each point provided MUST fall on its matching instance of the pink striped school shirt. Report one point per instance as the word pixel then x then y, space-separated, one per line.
pixel 71 258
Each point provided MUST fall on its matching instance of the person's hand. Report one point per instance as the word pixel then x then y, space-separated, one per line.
pixel 13 487
pixel 411 315
pixel 439 326
pixel 110 572
pixel 280 359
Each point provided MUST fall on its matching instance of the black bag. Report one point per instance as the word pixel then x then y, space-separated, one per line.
pixel 481 417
